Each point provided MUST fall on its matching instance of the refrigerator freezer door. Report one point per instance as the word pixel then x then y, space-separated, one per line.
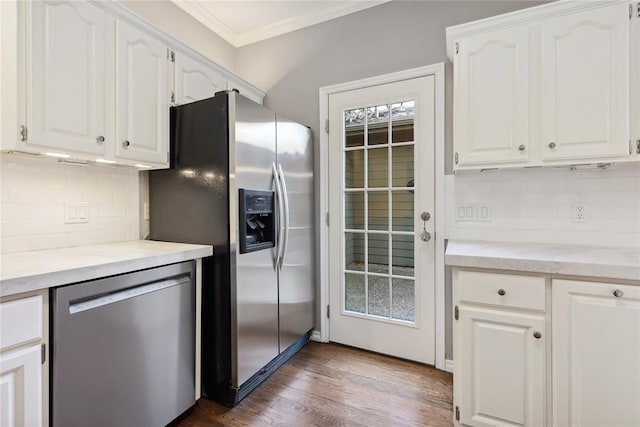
pixel 252 153
pixel 295 155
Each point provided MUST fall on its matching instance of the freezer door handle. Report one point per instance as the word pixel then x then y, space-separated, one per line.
pixel 279 216
pixel 285 241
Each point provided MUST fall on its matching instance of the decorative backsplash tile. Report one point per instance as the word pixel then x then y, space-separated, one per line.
pixel 33 193
pixel 535 205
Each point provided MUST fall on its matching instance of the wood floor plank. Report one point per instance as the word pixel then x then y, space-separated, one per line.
pixel 335 385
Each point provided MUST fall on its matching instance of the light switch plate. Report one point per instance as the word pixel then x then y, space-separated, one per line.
pixel 76 212
pixel 465 212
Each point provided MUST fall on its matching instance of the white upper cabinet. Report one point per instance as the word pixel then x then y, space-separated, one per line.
pixel 585 84
pixel 195 81
pixel 596 354
pixel 67 72
pixel 549 85
pixel 492 97
pixel 245 90
pixel 142 96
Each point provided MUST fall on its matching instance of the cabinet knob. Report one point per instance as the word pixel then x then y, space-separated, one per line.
pixel 126 143
pixel 537 335
pixel 522 147
pixel 618 293
pixel 100 139
pixel 552 145
pixel 501 292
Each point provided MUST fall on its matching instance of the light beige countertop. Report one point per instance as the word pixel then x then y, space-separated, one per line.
pixel 570 260
pixel 34 270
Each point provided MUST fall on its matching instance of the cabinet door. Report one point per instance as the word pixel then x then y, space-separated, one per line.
pixel 585 84
pixel 492 98
pixel 21 387
pixel 142 96
pixel 501 367
pixel 67 59
pixel 596 354
pixel 196 81
pixel 635 81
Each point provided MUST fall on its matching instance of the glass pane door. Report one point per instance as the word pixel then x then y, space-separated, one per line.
pixel 378 191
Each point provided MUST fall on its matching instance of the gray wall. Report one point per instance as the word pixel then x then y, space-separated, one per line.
pixel 392 37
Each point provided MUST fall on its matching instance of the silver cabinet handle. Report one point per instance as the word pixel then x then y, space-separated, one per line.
pixel 522 147
pixel 100 139
pixel 280 234
pixel 618 293
pixel 552 145
pixel 126 143
pixel 501 292
pixel 537 335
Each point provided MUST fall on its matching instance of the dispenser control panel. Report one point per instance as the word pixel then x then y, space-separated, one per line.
pixel 257 220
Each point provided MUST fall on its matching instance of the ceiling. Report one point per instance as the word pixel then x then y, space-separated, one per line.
pixel 243 22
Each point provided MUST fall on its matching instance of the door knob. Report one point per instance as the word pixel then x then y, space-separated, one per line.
pixel 425 236
pixel 537 335
pixel 425 216
pixel 100 139
pixel 501 292
pixel 618 293
pixel 522 147
pixel 552 145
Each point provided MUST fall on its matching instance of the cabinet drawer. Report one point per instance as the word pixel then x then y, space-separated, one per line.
pixel 507 290
pixel 20 321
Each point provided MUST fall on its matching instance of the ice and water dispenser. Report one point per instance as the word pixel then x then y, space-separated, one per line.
pixel 257 220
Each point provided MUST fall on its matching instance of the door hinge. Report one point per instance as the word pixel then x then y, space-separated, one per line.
pixel 24 133
pixel 456 313
pixel 171 55
pixel 327 218
pixel 457 48
pixel 637 146
pixel 457 413
pixel 43 353
pixel 456 158
pixel 326 125
pixel 328 311
pixel 630 11
pixel 638 11
pixel 630 147
pixel 173 97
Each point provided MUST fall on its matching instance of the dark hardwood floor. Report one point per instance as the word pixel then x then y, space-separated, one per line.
pixel 334 385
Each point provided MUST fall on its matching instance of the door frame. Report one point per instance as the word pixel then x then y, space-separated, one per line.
pixel 438 71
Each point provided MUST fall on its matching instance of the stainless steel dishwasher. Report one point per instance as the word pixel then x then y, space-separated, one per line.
pixel 124 349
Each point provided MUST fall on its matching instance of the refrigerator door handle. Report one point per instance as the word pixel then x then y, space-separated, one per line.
pixel 285 241
pixel 280 216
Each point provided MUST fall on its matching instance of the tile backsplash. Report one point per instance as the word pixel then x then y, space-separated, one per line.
pixel 535 205
pixel 34 191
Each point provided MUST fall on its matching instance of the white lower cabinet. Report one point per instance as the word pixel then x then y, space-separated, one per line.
pixel 500 345
pixel 596 354
pixel 23 370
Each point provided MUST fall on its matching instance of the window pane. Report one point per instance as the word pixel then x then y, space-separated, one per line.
pixel 378 253
pixel 378 295
pixel 378 210
pixel 354 127
pixel 402 255
pixel 403 298
pixel 354 210
pixel 354 251
pixel 378 124
pixel 402 121
pixel 354 292
pixel 402 166
pixel 378 167
pixel 402 210
pixel 354 169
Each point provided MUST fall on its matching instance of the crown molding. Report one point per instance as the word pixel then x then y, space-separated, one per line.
pixel 332 11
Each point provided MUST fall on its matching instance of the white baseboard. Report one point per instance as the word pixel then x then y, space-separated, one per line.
pixel 448 365
pixel 315 336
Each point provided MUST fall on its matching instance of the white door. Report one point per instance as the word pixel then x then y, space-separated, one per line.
pixel 196 81
pixel 21 387
pixel 67 70
pixel 596 354
pixel 585 84
pixel 142 96
pixel 504 387
pixel 492 98
pixel 381 170
pixel 635 82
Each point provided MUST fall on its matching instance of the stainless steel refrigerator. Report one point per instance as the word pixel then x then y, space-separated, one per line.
pixel 241 179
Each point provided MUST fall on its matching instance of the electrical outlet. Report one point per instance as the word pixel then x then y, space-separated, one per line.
pixel 76 212
pixel 484 213
pixel 578 212
pixel 465 213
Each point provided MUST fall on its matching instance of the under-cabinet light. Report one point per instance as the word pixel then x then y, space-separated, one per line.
pixel 58 155
pixel 110 162
pixel 139 165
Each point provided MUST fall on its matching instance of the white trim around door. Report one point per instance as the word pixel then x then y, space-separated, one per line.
pixel 438 71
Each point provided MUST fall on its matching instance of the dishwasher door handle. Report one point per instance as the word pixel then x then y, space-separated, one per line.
pixel 114 297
